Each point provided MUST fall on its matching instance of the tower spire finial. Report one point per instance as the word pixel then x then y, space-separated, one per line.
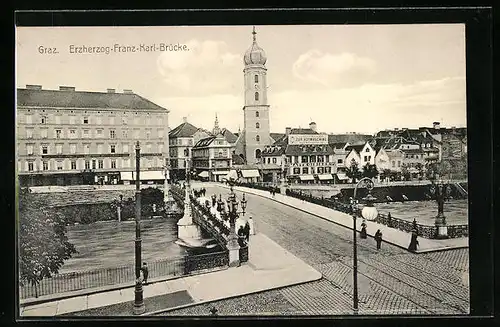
pixel 254 33
pixel 216 129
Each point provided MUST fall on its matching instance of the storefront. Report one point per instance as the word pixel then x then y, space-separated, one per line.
pixel 148 176
pixel 218 176
pixel 325 178
pixel 250 175
pixel 307 179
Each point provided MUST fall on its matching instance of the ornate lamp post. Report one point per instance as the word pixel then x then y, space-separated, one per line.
pixel 369 212
pixel 283 176
pixel 139 307
pixel 441 192
pixel 233 214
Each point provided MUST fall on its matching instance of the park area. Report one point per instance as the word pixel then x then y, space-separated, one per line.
pixel 425 212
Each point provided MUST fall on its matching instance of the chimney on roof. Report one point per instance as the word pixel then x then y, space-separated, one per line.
pixel 436 125
pixel 66 88
pixel 128 91
pixel 33 87
pixel 312 126
pixel 288 130
pixel 111 90
pixel 184 119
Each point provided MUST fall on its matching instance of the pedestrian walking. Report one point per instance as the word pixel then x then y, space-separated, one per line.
pixel 247 231
pixel 145 272
pixel 241 236
pixel 413 242
pixel 362 233
pixel 378 238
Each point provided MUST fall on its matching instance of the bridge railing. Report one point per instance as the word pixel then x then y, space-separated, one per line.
pixel 392 222
pixel 124 275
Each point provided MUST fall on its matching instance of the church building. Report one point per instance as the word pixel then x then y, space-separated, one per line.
pixel 256 132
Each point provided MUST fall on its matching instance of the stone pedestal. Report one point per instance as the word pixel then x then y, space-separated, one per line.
pixel 234 253
pixel 188 232
pixel 442 229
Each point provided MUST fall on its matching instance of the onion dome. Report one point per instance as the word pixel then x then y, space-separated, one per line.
pixel 255 55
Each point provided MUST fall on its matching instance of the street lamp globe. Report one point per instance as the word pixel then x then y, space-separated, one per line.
pixel 369 212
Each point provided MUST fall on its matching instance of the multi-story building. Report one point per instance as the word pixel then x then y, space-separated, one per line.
pixel 76 137
pixel 304 155
pixel 212 157
pixel 181 141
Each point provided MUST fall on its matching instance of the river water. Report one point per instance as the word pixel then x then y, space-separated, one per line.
pixel 112 244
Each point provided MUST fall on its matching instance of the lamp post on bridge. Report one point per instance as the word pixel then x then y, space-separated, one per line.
pixel 441 192
pixel 232 213
pixel 139 307
pixel 369 212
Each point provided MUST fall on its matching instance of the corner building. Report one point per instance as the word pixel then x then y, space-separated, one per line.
pixel 69 137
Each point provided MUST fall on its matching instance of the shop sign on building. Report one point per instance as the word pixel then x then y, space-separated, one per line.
pixel 308 139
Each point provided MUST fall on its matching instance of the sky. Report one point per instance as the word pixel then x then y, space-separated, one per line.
pixel 346 78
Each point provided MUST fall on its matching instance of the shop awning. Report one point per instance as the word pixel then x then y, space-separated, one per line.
pixel 151 175
pixel 342 176
pixel 306 177
pixel 325 177
pixel 126 176
pixel 148 175
pixel 203 174
pixel 222 172
pixel 232 175
pixel 250 173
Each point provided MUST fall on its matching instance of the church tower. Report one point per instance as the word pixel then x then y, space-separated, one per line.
pixel 256 109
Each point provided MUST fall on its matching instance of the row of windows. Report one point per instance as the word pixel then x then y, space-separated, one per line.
pixel 87 133
pixel 73 148
pixel 97 120
pixel 176 141
pixel 86 164
pixel 305 170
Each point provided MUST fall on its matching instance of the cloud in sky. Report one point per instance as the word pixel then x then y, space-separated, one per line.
pixel 368 108
pixel 207 68
pixel 328 69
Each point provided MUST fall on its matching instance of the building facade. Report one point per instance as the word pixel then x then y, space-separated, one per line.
pixel 181 141
pixel 69 137
pixel 212 157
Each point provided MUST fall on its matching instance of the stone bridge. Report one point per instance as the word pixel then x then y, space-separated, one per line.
pixel 201 223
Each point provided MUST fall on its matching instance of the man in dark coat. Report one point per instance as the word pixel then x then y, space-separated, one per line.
pixel 241 236
pixel 145 272
pixel 247 231
pixel 378 238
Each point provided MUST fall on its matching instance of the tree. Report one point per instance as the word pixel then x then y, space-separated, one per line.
pixel 421 170
pixel 43 244
pixel 370 171
pixel 405 172
pixel 353 171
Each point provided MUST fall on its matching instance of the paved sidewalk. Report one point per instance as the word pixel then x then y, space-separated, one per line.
pixel 269 267
pixel 390 235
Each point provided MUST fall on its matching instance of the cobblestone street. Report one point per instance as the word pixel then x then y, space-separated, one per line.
pixel 390 281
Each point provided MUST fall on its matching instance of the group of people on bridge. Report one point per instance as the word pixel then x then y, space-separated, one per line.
pixel 244 234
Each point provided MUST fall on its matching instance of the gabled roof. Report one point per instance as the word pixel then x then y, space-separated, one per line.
pixel 357 148
pixel 302 131
pixel 283 141
pixel 339 145
pixel 273 151
pixel 230 137
pixel 204 142
pixel 348 138
pixel 183 130
pixel 298 150
pixel 276 136
pixel 237 160
pixel 84 99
